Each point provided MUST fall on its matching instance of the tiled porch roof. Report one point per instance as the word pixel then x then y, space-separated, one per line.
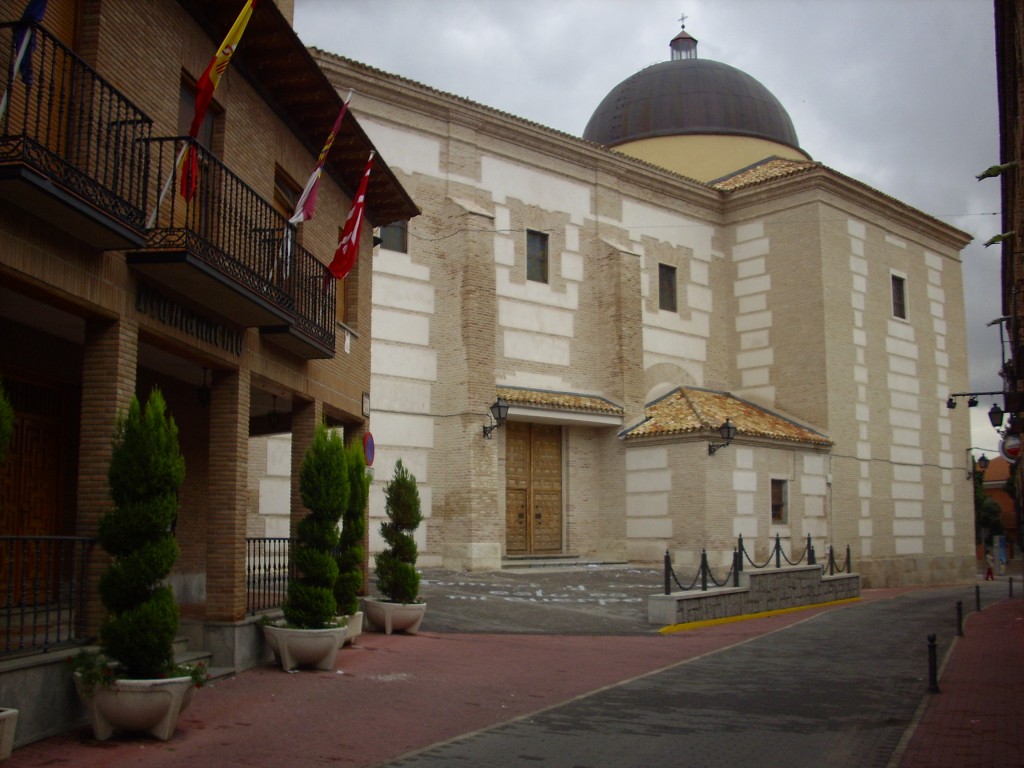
pixel 766 170
pixel 562 401
pixel 692 410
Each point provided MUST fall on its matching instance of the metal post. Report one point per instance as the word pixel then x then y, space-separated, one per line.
pixel 810 550
pixel 959 618
pixel 977 597
pixel 703 570
pixel 668 574
pixel 933 666
pixel 740 548
pixel 849 560
pixel 831 561
pixel 736 571
pixel 778 552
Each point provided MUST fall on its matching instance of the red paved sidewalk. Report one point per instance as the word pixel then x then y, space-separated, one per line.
pixel 977 719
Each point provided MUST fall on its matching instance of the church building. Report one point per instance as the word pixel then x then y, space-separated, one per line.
pixel 670 332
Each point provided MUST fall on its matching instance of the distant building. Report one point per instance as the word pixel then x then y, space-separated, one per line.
pixel 681 267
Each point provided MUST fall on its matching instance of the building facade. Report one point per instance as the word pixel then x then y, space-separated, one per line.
pixel 112 282
pixel 625 311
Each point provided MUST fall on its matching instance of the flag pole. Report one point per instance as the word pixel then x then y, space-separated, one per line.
pixel 167 187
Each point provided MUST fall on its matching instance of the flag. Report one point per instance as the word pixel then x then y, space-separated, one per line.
pixel 24 41
pixel 348 246
pixel 204 93
pixel 307 201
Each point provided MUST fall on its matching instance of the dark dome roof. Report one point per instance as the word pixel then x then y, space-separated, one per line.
pixel 689 96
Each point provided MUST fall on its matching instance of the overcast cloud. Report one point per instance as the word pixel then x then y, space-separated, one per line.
pixel 899 94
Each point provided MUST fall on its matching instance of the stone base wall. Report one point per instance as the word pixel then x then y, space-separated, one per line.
pixel 759 591
pixel 879 572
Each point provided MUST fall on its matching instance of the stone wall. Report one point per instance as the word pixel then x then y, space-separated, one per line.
pixel 759 591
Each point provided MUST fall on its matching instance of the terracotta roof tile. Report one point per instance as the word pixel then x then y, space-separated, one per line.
pixel 692 409
pixel 563 401
pixel 766 170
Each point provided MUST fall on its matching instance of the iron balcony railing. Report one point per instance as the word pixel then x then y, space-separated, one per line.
pixel 267 573
pixel 227 225
pixel 73 127
pixel 42 589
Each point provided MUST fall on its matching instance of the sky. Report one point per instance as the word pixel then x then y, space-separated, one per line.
pixel 898 94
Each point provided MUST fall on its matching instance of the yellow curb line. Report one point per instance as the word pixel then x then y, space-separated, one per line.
pixel 744 617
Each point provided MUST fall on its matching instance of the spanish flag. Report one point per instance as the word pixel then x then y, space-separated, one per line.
pixel 204 93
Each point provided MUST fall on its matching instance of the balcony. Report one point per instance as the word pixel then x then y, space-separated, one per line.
pixel 72 149
pixel 229 252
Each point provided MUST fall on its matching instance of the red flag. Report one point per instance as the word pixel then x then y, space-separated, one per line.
pixel 204 93
pixel 348 246
pixel 307 202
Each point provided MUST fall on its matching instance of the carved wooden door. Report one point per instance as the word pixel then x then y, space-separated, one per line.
pixel 533 489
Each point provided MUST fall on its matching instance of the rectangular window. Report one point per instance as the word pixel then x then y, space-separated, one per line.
pixel 536 256
pixel 667 287
pixel 779 512
pixel 899 297
pixel 395 237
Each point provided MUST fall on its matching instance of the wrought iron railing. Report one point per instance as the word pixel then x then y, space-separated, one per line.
pixel 705 576
pixel 267 573
pixel 42 588
pixel 73 127
pixel 231 228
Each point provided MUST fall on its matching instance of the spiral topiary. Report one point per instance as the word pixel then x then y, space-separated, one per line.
pixel 324 485
pixel 353 527
pixel 146 471
pixel 397 578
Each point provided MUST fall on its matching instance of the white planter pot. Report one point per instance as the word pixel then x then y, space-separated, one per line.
pixel 394 617
pixel 8 722
pixel 353 627
pixel 146 706
pixel 304 647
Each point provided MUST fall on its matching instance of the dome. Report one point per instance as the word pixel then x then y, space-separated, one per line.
pixel 689 96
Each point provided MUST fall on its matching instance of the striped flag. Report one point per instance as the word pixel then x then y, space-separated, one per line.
pixel 24 43
pixel 307 201
pixel 204 93
pixel 348 246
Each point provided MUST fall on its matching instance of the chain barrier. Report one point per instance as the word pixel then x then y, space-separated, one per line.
pixel 704 575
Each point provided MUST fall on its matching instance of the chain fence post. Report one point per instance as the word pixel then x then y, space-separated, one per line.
pixel 849 560
pixel 810 550
pixel 778 552
pixel 736 568
pixel 668 574
pixel 740 548
pixel 703 570
pixel 831 561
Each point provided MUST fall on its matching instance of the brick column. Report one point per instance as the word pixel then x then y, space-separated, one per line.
pixel 305 416
pixel 109 364
pixel 227 494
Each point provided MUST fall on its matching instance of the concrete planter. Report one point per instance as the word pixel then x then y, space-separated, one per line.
pixel 304 647
pixel 353 627
pixel 394 617
pixel 8 722
pixel 139 706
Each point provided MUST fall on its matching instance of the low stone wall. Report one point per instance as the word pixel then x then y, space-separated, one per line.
pixel 759 591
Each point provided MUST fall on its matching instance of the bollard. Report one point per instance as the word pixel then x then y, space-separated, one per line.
pixel 849 560
pixel 810 551
pixel 933 666
pixel 668 574
pixel 778 552
pixel 959 618
pixel 977 597
pixel 703 570
pixel 736 568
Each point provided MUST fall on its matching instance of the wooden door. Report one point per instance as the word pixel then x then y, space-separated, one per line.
pixel 533 489
pixel 30 495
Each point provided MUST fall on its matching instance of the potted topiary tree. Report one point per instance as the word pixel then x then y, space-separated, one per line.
pixel 397 578
pixel 133 684
pixel 350 552
pixel 310 633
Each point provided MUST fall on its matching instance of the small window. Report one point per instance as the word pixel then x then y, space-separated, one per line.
pixel 395 237
pixel 536 256
pixel 667 287
pixel 899 297
pixel 780 514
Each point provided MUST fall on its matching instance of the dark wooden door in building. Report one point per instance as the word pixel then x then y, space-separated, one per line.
pixel 31 484
pixel 533 489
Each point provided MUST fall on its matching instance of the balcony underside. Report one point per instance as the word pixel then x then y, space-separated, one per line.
pixel 44 196
pixel 198 282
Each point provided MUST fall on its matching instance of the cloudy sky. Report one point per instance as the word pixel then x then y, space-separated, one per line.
pixel 898 94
